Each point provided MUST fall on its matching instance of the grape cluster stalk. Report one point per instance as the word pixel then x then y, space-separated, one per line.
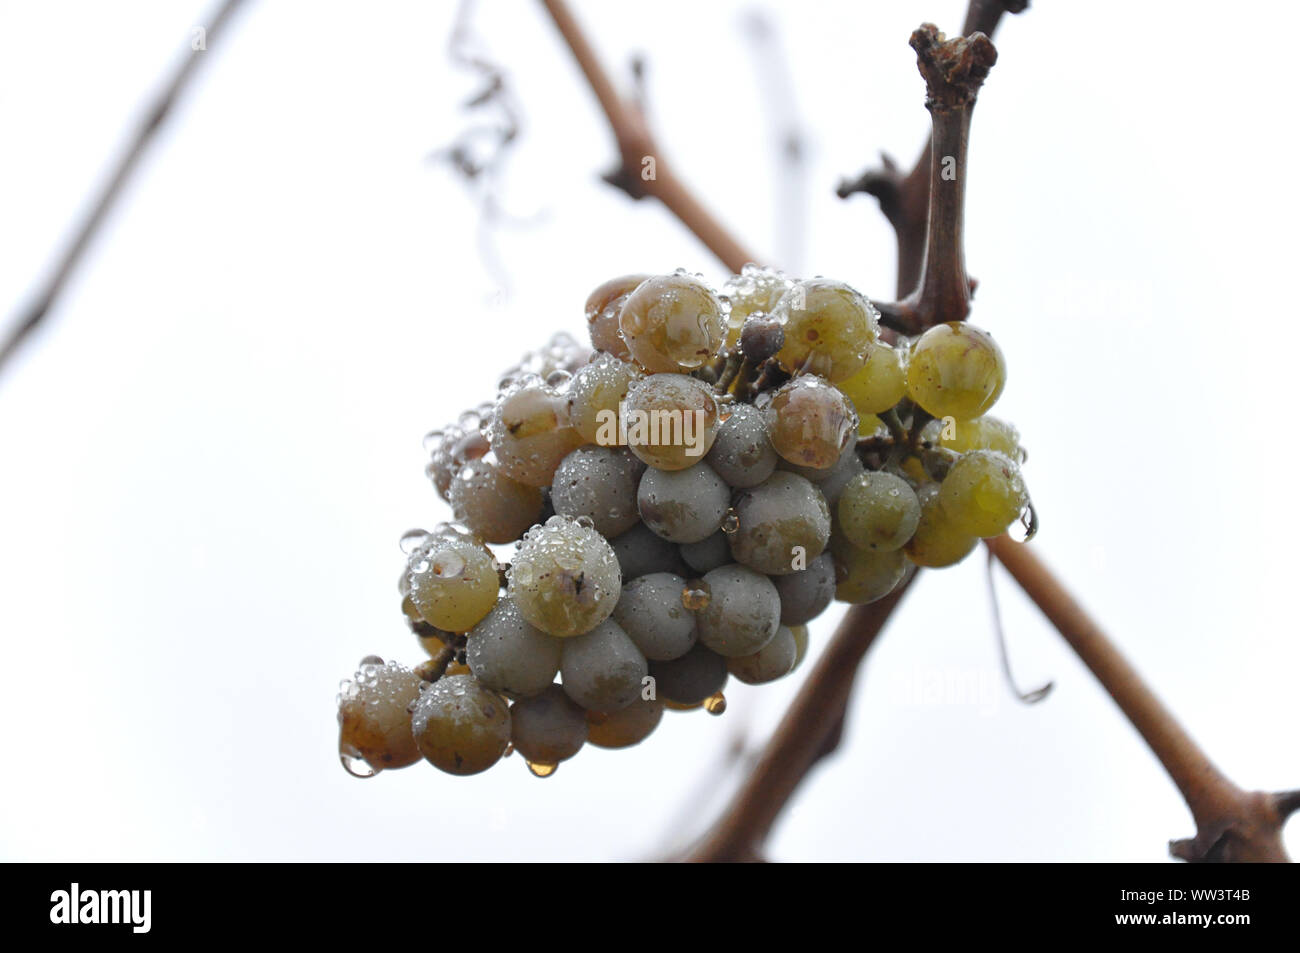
pixel 683 497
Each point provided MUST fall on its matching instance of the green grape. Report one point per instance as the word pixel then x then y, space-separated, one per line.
pixel 879 511
pixel 982 433
pixel 548 728
pixel 651 612
pixel 774 660
pixel 690 679
pixel 800 633
pixel 782 518
pixel 460 726
pixel 564 577
pixel 865 575
pixel 806 594
pixel 603 308
pixel 743 612
pixel 672 323
pixel 529 431
pixel 453 581
pixel 625 727
pixel 983 492
pixel 492 505
pixel 594 395
pixel 955 370
pixel 742 453
pixel 829 328
pixel 880 384
pixel 840 475
pixel 374 723
pixel 810 422
pixel 599 483
pixel 755 289
pixel 671 420
pixel 640 551
pixel 870 425
pixel 603 670
pixel 684 506
pixel 938 541
pixel 709 553
pixel 508 654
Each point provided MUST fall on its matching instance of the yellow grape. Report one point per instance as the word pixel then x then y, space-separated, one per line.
pixel 671 420
pixel 865 575
pixel 880 384
pixel 459 726
pixel 829 328
pixel 672 323
pixel 625 727
pixel 983 492
pixel 453 582
pixel 603 308
pixel 810 422
pixel 374 723
pixel 878 510
pixel 956 370
pixel 938 541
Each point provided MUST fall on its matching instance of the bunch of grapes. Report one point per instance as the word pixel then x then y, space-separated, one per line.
pixel 683 498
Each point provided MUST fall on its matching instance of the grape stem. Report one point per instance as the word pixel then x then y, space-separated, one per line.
pixel 954 69
pixel 156 113
pixel 1232 825
pixel 636 174
pixel 905 198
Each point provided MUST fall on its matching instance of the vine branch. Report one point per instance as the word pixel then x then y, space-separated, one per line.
pixel 636 143
pixel 154 116
pixel 1231 824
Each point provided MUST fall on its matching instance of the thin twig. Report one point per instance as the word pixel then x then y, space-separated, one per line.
pixel 161 107
pixel 642 168
pixel 1231 824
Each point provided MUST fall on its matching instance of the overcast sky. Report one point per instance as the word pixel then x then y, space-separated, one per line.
pixel 209 453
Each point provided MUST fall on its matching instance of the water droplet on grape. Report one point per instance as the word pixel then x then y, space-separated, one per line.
pixel 730 522
pixel 354 764
pixel 412 539
pixel 696 595
pixel 542 769
pixel 715 704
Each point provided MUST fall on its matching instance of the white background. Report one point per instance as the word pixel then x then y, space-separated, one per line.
pixel 208 454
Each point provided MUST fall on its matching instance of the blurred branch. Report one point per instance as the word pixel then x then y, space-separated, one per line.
pixel 154 116
pixel 1231 824
pixel 776 96
pixel 480 151
pixel 642 170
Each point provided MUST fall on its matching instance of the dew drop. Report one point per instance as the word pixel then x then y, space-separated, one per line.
pixel 432 440
pixel 449 565
pixel 353 763
pixel 542 769
pixel 695 595
pixel 730 522
pixel 510 749
pixel 715 704
pixel 412 539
